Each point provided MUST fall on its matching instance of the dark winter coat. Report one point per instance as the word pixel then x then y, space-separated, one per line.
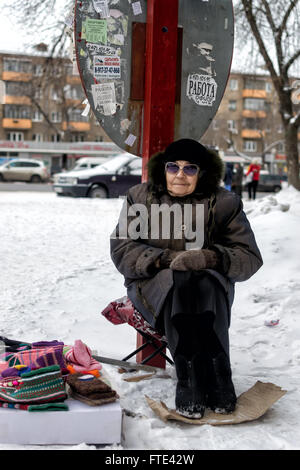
pixel 228 174
pixel 227 230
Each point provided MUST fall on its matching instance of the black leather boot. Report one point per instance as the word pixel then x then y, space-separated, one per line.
pixel 221 393
pixel 191 386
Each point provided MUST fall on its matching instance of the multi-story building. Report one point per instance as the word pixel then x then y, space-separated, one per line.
pixel 248 120
pixel 43 101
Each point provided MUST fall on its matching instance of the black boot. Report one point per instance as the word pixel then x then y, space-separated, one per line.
pixel 221 393
pixel 191 386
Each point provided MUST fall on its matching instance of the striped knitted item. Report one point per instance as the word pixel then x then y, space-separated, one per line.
pixel 38 386
pixel 41 407
pixel 38 357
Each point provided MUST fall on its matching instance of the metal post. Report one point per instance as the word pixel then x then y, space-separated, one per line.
pixel 160 90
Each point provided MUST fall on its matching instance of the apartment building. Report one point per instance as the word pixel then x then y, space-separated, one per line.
pixel 248 120
pixel 43 102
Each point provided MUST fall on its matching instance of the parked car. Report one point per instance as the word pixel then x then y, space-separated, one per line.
pixel 86 163
pixel 111 179
pixel 34 171
pixel 269 183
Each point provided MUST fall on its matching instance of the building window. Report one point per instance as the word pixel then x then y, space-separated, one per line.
pixel 38 70
pixel 231 124
pixel 281 147
pixel 18 89
pixel 56 116
pixel 75 115
pixel 253 84
pixel 38 94
pixel 232 105
pixel 253 123
pixel 234 84
pixel 250 145
pixel 37 116
pixel 55 138
pixel 17 112
pixel 37 137
pixel 255 104
pixel 55 95
pixel 268 87
pixel 17 65
pixel 73 93
pixel 15 136
pixel 77 137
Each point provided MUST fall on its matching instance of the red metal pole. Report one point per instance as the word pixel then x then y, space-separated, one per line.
pixel 160 77
pixel 159 98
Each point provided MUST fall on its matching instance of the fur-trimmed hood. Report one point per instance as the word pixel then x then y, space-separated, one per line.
pixel 211 166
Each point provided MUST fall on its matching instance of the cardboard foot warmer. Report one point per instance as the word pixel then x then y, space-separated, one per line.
pixel 251 405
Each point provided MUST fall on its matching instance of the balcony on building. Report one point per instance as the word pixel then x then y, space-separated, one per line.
pixel 16 117
pixel 13 123
pixel 75 126
pixel 254 94
pixel 16 69
pixel 18 100
pixel 252 134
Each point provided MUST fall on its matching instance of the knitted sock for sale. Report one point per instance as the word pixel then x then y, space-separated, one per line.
pixel 49 407
pixel 89 387
pixel 38 386
pixel 94 402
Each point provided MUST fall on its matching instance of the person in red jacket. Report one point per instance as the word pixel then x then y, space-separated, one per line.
pixel 254 169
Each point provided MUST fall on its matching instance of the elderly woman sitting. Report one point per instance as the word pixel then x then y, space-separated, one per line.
pixel 187 242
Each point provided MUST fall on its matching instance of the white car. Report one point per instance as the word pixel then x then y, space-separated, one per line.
pixel 34 171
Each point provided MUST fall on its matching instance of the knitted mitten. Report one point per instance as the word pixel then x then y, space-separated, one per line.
pixel 89 386
pixel 194 260
pixel 167 257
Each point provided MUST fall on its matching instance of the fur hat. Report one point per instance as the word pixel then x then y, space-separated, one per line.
pixel 211 165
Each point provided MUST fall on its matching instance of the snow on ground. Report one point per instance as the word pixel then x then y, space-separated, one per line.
pixel 57 276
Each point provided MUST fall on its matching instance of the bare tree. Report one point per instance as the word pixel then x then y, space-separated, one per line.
pixel 275 27
pixel 44 20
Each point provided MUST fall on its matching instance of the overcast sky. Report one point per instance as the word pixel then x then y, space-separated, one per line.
pixel 12 38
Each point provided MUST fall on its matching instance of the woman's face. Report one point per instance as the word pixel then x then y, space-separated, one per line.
pixel 180 184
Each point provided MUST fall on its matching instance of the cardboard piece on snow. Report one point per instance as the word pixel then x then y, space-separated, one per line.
pixel 251 405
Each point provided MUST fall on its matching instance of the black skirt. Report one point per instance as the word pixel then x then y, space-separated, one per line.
pixel 195 293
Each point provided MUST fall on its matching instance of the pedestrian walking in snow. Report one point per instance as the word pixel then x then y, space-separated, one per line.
pixel 253 172
pixel 237 179
pixel 228 176
pixel 183 288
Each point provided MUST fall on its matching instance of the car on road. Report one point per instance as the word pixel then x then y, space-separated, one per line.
pixel 109 180
pixel 34 171
pixel 269 183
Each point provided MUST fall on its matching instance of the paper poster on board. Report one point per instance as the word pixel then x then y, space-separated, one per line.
pixel 202 89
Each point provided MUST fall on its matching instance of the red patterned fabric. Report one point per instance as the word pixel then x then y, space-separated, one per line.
pixel 123 311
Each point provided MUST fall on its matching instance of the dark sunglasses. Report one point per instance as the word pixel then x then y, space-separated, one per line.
pixel 189 169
